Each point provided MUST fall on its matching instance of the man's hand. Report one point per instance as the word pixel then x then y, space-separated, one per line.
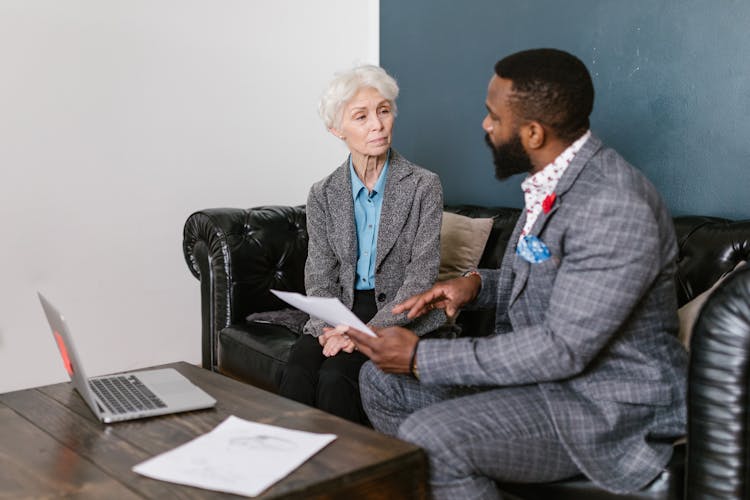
pixel 450 295
pixel 335 340
pixel 390 350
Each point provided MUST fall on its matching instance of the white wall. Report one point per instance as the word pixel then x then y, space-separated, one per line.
pixel 120 118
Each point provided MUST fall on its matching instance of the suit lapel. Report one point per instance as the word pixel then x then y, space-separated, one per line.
pixel 341 206
pixel 521 268
pixel 579 161
pixel 397 200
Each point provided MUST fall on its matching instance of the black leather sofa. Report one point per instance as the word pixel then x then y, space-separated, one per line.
pixel 239 254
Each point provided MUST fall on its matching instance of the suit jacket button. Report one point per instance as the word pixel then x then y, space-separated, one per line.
pixel 381 297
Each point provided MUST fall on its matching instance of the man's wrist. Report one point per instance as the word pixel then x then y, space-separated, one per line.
pixel 413 369
pixel 475 276
pixel 471 272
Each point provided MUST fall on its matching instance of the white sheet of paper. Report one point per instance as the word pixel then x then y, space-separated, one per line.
pixel 328 309
pixel 237 456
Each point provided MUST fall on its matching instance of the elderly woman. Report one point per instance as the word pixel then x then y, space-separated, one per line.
pixel 374 230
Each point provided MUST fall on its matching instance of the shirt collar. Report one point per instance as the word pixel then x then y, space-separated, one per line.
pixel 540 185
pixel 358 185
pixel 545 181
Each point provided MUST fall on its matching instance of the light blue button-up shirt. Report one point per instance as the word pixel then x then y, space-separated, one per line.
pixel 367 208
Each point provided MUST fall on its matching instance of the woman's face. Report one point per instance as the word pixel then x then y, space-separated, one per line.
pixel 366 124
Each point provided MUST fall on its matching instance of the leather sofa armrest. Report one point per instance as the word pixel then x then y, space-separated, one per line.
pixel 719 394
pixel 238 255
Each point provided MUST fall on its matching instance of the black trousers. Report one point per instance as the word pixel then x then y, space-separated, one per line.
pixel 331 384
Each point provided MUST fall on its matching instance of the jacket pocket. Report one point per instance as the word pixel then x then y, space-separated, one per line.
pixel 542 275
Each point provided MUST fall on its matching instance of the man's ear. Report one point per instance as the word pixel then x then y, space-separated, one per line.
pixel 533 135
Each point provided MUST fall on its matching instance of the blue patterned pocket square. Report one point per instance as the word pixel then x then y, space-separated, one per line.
pixel 532 249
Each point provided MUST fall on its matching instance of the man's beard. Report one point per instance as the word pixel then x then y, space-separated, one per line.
pixel 510 158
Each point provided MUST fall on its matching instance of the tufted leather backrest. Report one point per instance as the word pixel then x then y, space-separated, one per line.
pixel 266 247
pixel 709 247
pixel 250 252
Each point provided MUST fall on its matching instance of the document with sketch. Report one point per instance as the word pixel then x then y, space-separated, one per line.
pixel 237 456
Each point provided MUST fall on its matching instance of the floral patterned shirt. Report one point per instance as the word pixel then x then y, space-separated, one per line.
pixel 542 184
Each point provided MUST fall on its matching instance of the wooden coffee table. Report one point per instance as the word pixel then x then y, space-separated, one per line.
pixel 51 445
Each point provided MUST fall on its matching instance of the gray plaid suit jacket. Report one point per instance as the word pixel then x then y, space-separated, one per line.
pixel 594 326
pixel 408 246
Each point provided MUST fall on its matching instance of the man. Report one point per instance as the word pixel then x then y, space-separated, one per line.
pixel 584 373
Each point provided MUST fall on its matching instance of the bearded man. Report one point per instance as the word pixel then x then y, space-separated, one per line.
pixel 584 373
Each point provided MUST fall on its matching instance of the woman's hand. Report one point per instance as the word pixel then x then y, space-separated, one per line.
pixel 335 340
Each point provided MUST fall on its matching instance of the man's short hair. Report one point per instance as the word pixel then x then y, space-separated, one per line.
pixel 550 86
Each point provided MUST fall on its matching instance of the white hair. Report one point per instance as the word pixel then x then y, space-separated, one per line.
pixel 346 84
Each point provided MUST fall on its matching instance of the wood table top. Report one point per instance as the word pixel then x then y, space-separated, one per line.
pixel 52 445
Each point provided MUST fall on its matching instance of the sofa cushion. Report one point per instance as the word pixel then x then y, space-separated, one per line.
pixel 462 242
pixel 667 486
pixel 256 353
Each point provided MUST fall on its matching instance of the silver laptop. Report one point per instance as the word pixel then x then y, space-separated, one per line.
pixel 126 396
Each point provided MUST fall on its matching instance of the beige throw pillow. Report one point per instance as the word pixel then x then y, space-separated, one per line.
pixel 462 241
pixel 689 312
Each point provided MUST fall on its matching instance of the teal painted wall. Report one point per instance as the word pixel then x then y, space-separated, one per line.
pixel 672 81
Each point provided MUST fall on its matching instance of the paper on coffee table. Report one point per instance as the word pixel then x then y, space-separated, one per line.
pixel 238 456
pixel 327 309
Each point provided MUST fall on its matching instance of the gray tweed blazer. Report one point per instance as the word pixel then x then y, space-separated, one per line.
pixel 594 326
pixel 408 246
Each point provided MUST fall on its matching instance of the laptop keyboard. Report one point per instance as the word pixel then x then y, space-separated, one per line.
pixel 125 394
